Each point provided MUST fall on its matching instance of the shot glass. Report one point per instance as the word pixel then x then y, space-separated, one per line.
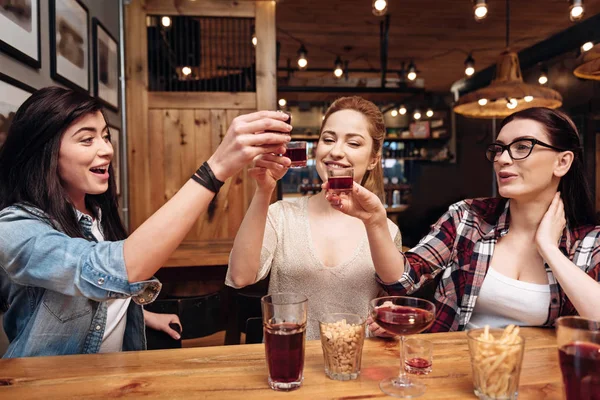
pixel 418 356
pixel 284 326
pixel 496 363
pixel 296 151
pixel 340 179
pixel 578 342
pixel 342 339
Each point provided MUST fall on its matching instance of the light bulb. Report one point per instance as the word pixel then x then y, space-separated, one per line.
pixel 186 71
pixel 254 40
pixel 482 102
pixel 165 21
pixel 302 63
pixel 338 70
pixel 379 7
pixel 282 102
pixel 402 110
pixel 302 60
pixel 576 10
pixel 480 10
pixel 394 113
pixel 543 79
pixel 469 65
pixel 429 113
pixel 587 46
pixel 412 76
pixel 512 104
pixel 469 71
pixel 528 99
pixel 417 115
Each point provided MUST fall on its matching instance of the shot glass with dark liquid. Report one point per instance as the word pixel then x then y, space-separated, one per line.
pixel 340 179
pixel 284 326
pixel 296 151
pixel 418 356
pixel 578 342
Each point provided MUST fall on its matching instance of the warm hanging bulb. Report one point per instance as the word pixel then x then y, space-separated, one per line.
pixel 380 7
pixel 417 114
pixel 412 71
pixel 338 70
pixel 254 39
pixel 282 102
pixel 165 21
pixel 576 10
pixel 480 10
pixel 186 70
pixel 302 60
pixel 394 113
pixel 543 79
pixel 587 46
pixel 429 113
pixel 469 65
pixel 402 110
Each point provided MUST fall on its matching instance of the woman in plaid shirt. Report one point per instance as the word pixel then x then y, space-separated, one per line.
pixel 526 257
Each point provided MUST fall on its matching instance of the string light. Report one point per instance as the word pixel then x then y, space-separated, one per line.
pixel 165 21
pixel 186 71
pixel 576 10
pixel 469 65
pixel 412 71
pixel 302 60
pixel 339 69
pixel 402 110
pixel 512 103
pixel 254 39
pixel 380 7
pixel 282 102
pixel 587 46
pixel 543 79
pixel 528 99
pixel 417 115
pixel 480 10
pixel 394 113
pixel 429 113
pixel 482 102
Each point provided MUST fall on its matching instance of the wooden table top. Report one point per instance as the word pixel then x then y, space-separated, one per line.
pixel 234 372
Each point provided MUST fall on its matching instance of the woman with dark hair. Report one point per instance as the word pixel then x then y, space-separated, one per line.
pixel 524 258
pixel 67 268
pixel 306 246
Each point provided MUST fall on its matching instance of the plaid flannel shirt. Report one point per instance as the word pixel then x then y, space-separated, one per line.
pixel 460 247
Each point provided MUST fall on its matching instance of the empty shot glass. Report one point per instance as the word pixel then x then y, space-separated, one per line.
pixel 418 356
pixel 342 339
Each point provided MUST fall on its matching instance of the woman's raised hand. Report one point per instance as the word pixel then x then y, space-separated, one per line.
pixel 249 136
pixel 268 169
pixel 361 203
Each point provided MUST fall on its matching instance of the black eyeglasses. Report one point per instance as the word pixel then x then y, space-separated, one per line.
pixel 517 150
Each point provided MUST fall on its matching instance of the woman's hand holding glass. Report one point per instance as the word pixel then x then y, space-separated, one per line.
pixel 268 169
pixel 362 204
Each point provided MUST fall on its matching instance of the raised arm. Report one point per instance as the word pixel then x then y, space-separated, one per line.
pixel 152 243
pixel 244 261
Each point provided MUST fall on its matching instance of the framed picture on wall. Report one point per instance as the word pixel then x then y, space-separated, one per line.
pixel 20 30
pixel 115 138
pixel 106 65
pixel 12 94
pixel 69 44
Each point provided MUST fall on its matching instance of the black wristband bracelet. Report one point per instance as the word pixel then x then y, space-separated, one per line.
pixel 206 177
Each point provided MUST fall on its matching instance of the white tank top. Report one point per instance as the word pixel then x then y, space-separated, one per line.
pixel 503 301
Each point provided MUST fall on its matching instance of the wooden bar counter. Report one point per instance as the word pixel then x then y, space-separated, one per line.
pixel 239 372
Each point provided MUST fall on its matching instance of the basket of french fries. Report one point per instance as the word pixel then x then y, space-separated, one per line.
pixel 496 358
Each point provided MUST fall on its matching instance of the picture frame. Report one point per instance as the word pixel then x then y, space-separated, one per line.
pixel 12 94
pixel 106 65
pixel 115 138
pixel 70 44
pixel 20 31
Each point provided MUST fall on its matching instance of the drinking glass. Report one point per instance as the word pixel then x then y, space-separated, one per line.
pixel 340 179
pixel 578 342
pixel 342 339
pixel 296 151
pixel 401 315
pixel 418 356
pixel 284 326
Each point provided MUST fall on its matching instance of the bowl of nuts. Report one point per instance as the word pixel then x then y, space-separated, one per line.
pixel 342 339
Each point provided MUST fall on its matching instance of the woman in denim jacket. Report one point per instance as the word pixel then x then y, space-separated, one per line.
pixel 68 271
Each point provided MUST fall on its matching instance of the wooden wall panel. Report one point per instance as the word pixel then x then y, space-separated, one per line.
pixel 156 153
pixel 204 8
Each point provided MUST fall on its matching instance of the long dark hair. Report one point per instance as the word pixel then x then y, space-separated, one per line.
pixel 373 179
pixel 574 186
pixel 29 161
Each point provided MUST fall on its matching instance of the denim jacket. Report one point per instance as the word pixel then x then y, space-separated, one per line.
pixel 55 287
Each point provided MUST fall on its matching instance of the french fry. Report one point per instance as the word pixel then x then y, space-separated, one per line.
pixel 497 362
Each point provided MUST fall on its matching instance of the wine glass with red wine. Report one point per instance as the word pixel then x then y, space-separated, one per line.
pixel 402 316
